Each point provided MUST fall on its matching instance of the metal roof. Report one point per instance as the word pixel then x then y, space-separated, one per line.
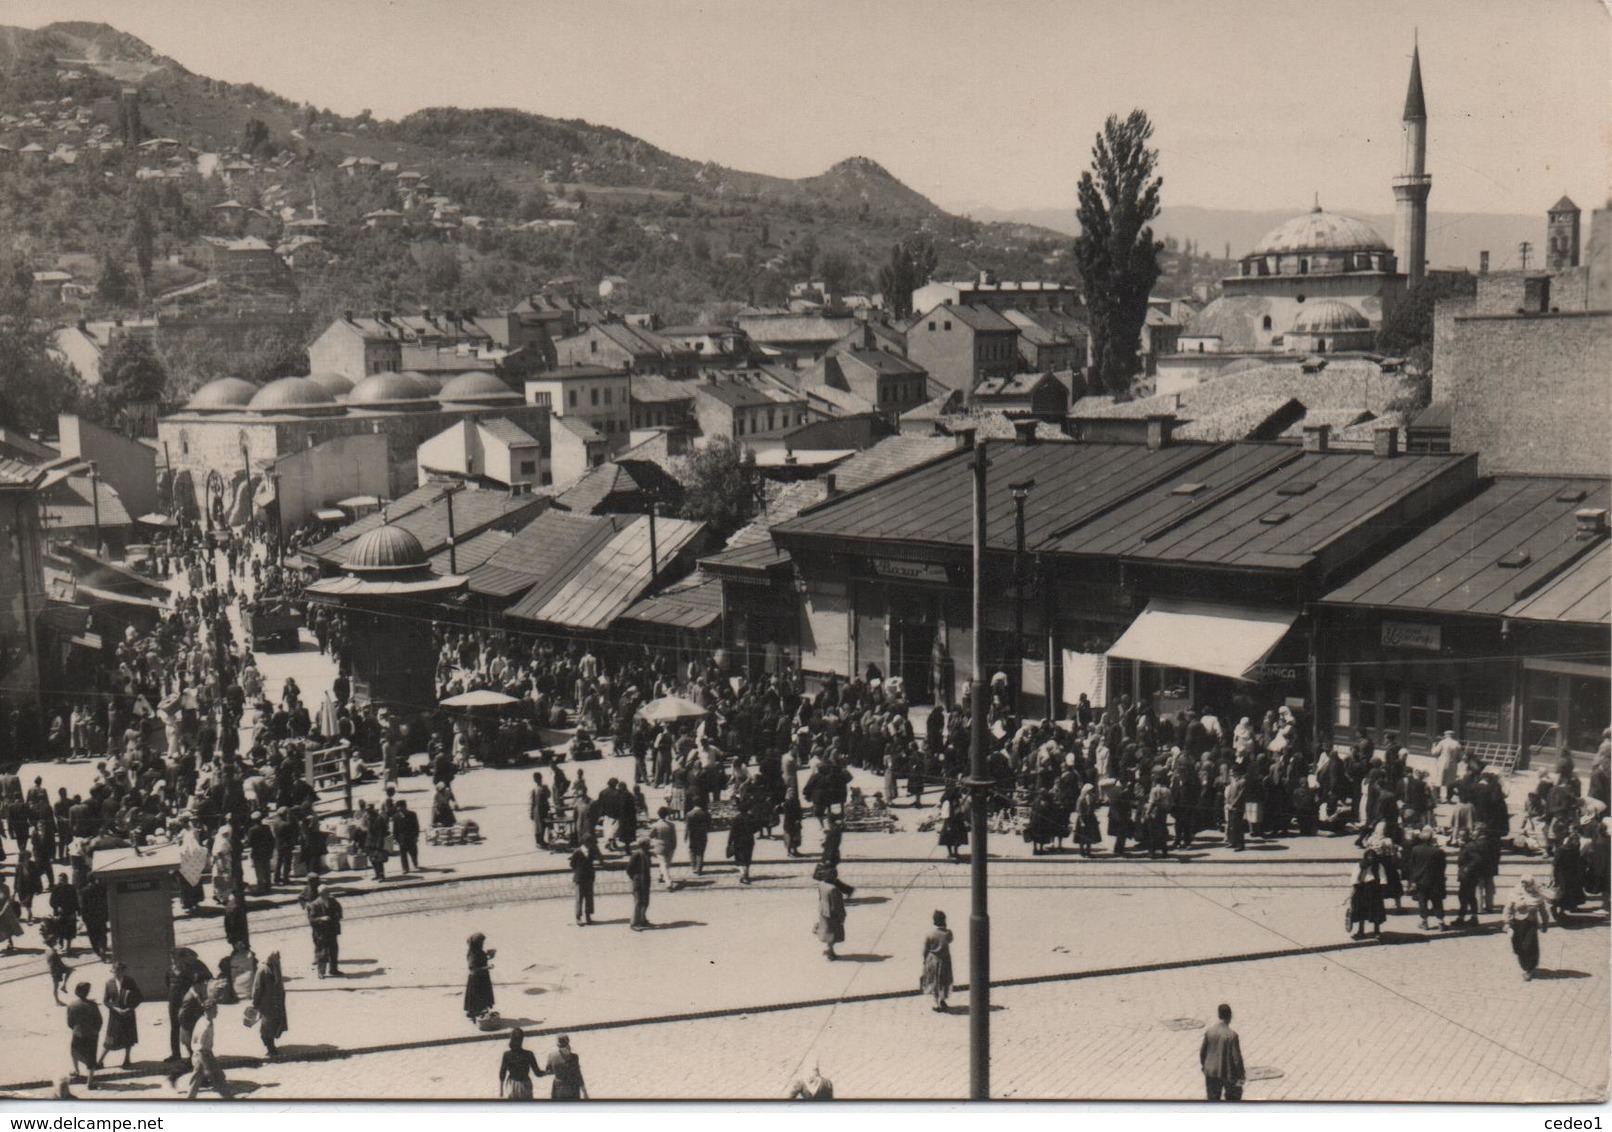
pixel 471 552
pixel 1582 593
pixel 696 604
pixel 1285 519
pixel 424 514
pixel 550 547
pixel 616 576
pixel 1513 545
pixel 931 504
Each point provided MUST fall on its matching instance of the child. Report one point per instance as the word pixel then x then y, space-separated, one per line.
pixel 59 970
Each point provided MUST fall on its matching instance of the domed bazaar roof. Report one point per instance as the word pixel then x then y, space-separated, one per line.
pixel 390 389
pixel 432 380
pixel 385 549
pixel 478 385
pixel 222 393
pixel 336 384
pixel 1233 319
pixel 1318 231
pixel 292 395
pixel 1329 316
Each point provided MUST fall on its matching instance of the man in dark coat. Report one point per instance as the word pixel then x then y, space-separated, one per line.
pixel 638 871
pixel 582 884
pixel 406 832
pixel 1469 870
pixel 1221 1058
pixel 324 918
pixel 1424 868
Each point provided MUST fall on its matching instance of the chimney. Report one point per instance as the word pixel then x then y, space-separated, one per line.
pixel 869 342
pixel 383 316
pixel 83 326
pixel 1483 263
pixel 965 437
pixel 347 315
pixel 1024 431
pixel 830 489
pixel 1316 437
pixel 1385 442
pixel 1160 426
pixel 1590 523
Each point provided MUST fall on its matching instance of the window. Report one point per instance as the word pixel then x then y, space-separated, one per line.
pixel 528 467
pixel 607 396
pixel 738 425
pixel 1265 322
pixel 593 346
pixel 772 423
pixel 571 397
pixel 593 397
pixel 948 324
pixel 932 326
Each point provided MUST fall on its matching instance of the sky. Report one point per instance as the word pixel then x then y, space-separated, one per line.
pixel 1257 104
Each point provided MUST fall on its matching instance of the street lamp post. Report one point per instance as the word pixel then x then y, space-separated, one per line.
pixel 979 922
pixel 1021 493
pixel 95 502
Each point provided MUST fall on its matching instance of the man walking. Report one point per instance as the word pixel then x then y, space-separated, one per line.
pixel 1221 1058
pixel 582 883
pixel 324 918
pixel 538 810
pixel 406 832
pixel 663 837
pixel 205 1069
pixel 638 871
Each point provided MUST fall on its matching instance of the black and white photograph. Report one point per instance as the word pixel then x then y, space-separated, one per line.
pixel 764 551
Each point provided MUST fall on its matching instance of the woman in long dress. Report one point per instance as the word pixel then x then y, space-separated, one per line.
pixel 1526 916
pixel 479 984
pixel 1088 831
pixel 1366 896
pixel 830 911
pixel 10 921
pixel 122 997
pixel 953 824
pixel 937 971
pixel 516 1070
pixel 268 999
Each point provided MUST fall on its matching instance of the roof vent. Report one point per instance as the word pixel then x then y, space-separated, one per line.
pixel 1572 495
pixel 1591 523
pixel 1187 488
pixel 1316 437
pixel 1385 441
pixel 1516 560
pixel 1274 518
pixel 1300 487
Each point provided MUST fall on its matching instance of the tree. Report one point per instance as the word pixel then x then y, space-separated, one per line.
pixel 912 264
pixel 142 237
pixel 131 373
pixel 1116 252
pixel 722 486
pixel 834 268
pixel 34 386
pixel 255 138
pixel 114 288
pixel 1407 326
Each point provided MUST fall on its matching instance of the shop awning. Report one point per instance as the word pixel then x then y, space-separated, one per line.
pixel 1224 640
pixel 330 515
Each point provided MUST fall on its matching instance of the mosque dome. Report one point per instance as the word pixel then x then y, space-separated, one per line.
pixel 391 390
pixel 1329 316
pixel 386 549
pixel 1318 231
pixel 292 395
pixel 221 395
pixel 479 386
pixel 428 379
pixel 336 384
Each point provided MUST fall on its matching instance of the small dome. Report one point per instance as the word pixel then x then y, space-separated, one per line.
pixel 1318 231
pixel 292 395
pixel 335 384
pixel 390 389
pixel 1328 317
pixel 222 394
pixel 428 379
pixel 386 548
pixel 478 385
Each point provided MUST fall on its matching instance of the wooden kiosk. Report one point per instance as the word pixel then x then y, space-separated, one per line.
pixel 139 899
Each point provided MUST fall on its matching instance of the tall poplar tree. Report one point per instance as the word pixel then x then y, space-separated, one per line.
pixel 1115 250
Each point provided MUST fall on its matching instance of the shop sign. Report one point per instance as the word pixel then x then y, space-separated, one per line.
pixel 903 570
pixel 1274 672
pixel 1411 635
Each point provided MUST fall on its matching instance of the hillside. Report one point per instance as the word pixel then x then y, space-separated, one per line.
pixel 514 199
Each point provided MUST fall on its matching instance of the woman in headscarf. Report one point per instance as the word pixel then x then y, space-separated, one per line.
pixel 10 922
pixel 1526 916
pixel 517 1068
pixel 830 910
pixel 937 959
pixel 1087 831
pixel 1366 896
pixel 1567 873
pixel 953 822
pixel 479 984
pixel 268 999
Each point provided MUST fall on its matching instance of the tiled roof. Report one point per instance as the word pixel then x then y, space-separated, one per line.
pixel 1346 383
pixel 740 393
pixel 619 481
pixel 550 546
pixel 1254 419
pixel 14 473
pixel 470 553
pixel 786 329
pixel 507 431
pixel 70 502
pixel 652 388
pixel 580 429
pixel 978 318
pixel 604 587
pixel 890 457
pixel 840 402
pixel 1019 385
pixel 1500 549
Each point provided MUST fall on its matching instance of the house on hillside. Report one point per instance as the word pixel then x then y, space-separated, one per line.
pixel 598 396
pixel 1024 395
pixel 744 406
pixel 631 348
pixel 493 450
pixel 962 345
